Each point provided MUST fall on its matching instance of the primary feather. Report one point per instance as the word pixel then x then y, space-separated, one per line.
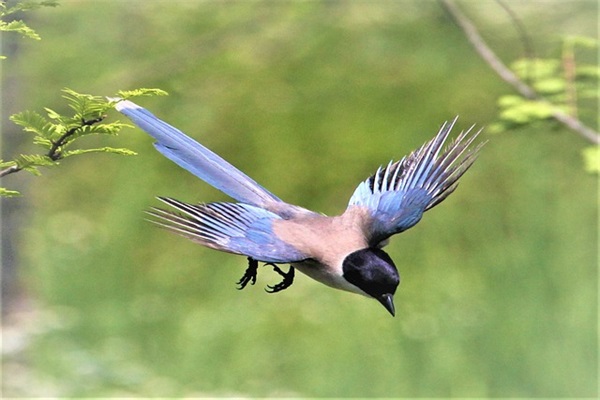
pixel 232 227
pixel 398 194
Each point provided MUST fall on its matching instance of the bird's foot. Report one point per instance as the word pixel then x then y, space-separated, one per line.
pixel 288 279
pixel 250 274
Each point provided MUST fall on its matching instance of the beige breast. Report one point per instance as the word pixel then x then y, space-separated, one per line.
pixel 326 239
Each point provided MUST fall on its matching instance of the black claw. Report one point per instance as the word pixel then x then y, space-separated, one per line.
pixel 250 274
pixel 288 279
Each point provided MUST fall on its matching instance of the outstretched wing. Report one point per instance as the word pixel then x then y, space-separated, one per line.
pixel 197 159
pixel 397 195
pixel 232 227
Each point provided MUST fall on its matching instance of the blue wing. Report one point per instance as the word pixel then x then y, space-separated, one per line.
pixel 232 227
pixel 398 195
pixel 197 159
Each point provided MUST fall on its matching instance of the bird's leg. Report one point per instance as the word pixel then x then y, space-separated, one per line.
pixel 250 274
pixel 288 279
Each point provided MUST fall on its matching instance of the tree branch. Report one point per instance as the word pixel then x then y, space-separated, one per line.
pixel 488 55
pixel 55 152
pixel 9 170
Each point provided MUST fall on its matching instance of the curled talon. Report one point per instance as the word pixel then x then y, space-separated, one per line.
pixel 288 279
pixel 250 274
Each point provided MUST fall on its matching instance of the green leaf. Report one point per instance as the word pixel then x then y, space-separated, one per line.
pixel 528 111
pixel 591 159
pixel 26 6
pixel 35 123
pixel 53 114
pixel 42 141
pixel 125 94
pixel 536 68
pixel 29 119
pixel 124 152
pixel 587 71
pixel 19 27
pixel 121 151
pixel 510 101
pixel 30 163
pixel 103 129
pixel 496 127
pixel 86 106
pixel 5 164
pixel 56 132
pixel 8 193
pixel 25 160
pixel 550 85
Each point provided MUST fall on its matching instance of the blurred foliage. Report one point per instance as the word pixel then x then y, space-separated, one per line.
pixel 499 291
pixel 57 132
pixel 18 26
pixel 562 82
pixel 591 156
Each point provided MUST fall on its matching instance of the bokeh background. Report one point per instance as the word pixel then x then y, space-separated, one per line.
pixel 499 290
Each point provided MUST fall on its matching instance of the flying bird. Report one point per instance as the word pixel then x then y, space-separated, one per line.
pixel 343 251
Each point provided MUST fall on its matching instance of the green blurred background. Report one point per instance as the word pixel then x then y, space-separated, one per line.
pixel 499 291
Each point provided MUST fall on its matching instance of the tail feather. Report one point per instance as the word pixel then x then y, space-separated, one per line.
pixel 197 159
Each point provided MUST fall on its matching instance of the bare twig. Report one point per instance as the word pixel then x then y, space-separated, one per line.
pixel 10 170
pixel 508 76
pixel 527 46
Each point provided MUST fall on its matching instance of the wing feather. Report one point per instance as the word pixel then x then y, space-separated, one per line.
pixel 232 227
pixel 398 194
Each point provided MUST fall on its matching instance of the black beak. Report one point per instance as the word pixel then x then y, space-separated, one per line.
pixel 387 300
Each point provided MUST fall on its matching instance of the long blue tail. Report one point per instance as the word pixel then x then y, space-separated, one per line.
pixel 200 161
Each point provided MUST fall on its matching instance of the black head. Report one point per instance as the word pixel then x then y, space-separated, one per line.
pixel 374 272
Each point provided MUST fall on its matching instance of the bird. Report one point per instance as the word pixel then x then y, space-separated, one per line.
pixel 344 251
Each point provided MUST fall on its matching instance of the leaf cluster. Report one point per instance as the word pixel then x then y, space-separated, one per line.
pixel 19 26
pixel 56 132
pixel 560 84
pixel 591 159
